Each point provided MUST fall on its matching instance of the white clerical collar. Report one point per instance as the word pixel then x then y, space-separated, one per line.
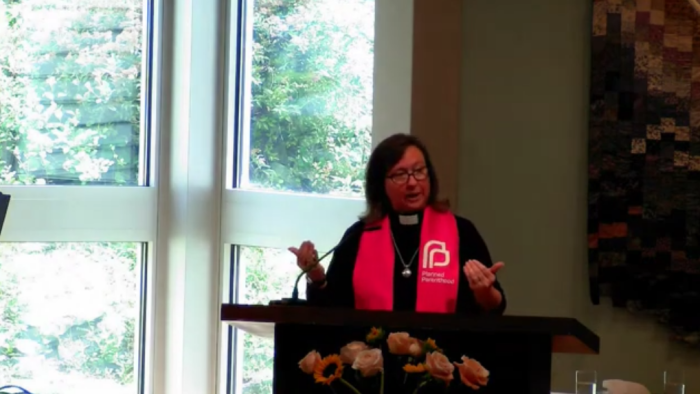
pixel 408 220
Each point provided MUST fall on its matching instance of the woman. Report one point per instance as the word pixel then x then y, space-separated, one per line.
pixel 408 252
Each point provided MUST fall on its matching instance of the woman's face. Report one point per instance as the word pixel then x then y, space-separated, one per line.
pixel 407 183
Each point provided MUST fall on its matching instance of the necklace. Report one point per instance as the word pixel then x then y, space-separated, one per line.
pixel 406 267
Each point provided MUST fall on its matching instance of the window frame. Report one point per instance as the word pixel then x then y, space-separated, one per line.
pixel 189 215
pixel 188 252
pixel 108 213
pixel 248 215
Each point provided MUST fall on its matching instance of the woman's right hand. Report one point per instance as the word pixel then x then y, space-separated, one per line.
pixel 307 260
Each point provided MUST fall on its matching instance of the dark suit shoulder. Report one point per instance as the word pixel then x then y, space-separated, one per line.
pixel 348 247
pixel 339 275
pixel 465 225
pixel 471 243
pixel 356 228
pixel 350 241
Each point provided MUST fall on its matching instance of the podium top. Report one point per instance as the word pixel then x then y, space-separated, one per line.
pixel 568 335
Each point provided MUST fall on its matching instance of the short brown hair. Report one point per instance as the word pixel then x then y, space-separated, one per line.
pixel 384 158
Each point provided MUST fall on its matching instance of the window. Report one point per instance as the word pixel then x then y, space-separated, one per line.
pixel 301 123
pixel 258 284
pixel 75 110
pixel 304 85
pixel 265 274
pixel 70 316
pixel 306 118
pixel 112 124
pixel 70 87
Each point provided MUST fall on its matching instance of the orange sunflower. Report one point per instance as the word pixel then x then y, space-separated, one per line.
pixel 374 335
pixel 430 346
pixel 410 368
pixel 328 369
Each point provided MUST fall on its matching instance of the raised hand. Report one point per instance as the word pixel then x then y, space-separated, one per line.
pixel 479 276
pixel 307 260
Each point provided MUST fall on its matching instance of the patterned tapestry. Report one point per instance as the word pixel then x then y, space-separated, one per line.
pixel 644 160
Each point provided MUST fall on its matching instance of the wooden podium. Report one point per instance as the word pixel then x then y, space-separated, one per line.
pixel 516 350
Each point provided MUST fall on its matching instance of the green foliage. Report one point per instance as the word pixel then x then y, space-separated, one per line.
pixel 311 128
pixel 70 114
pixel 70 80
pixel 262 284
pixel 311 95
pixel 68 315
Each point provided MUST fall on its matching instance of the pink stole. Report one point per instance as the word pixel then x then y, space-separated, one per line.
pixel 438 266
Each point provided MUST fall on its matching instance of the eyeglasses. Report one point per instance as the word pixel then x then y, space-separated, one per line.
pixel 420 174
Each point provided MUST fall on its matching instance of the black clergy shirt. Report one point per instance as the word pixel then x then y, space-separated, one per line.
pixel 339 291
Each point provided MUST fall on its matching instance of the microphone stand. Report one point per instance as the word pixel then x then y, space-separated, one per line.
pixel 294 300
pixel 295 293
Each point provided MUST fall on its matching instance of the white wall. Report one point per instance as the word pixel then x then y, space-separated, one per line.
pixel 523 157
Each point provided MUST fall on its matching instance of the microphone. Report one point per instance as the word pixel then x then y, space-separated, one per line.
pixel 295 293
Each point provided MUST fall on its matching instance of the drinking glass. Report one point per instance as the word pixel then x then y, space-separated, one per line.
pixel 586 382
pixel 674 382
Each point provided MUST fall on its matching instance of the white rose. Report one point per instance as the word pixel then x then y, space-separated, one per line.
pixel 472 373
pixel 349 352
pixel 369 362
pixel 400 343
pixel 439 366
pixel 308 363
pixel 415 350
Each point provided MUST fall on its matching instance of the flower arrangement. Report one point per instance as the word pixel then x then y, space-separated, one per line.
pixel 422 362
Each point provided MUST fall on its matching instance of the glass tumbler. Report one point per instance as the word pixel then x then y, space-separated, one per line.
pixel 674 382
pixel 586 382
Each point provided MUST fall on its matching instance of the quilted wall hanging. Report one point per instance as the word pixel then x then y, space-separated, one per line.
pixel 644 160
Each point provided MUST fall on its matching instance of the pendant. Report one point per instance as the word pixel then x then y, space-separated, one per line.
pixel 406 272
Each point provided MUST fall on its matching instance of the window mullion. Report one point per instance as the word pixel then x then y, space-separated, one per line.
pixel 189 202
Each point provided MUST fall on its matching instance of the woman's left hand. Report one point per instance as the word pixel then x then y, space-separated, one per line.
pixel 480 277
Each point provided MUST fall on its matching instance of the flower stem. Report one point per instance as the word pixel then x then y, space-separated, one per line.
pixel 419 387
pixel 381 386
pixel 348 385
